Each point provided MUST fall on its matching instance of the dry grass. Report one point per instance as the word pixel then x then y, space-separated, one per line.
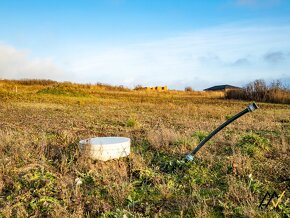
pixel 40 162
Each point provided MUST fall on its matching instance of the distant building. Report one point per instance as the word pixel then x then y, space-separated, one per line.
pixel 157 88
pixel 222 88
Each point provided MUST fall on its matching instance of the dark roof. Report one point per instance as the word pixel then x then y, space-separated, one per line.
pixel 221 88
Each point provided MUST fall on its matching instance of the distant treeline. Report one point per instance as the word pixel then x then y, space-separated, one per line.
pixel 44 82
pixel 258 90
pixel 30 82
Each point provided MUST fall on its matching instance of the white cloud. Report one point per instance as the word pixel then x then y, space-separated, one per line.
pixel 234 54
pixel 198 58
pixel 16 64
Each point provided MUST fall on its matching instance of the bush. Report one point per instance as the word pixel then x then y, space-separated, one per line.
pixel 259 91
pixel 111 88
pixel 138 87
pixel 188 89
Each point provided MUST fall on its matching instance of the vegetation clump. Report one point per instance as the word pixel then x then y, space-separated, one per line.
pixel 188 89
pixel 63 91
pixel 200 135
pixel 35 190
pixel 260 91
pixel 253 145
pixel 132 122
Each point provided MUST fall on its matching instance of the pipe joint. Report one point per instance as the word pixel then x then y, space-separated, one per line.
pixel 189 157
pixel 252 107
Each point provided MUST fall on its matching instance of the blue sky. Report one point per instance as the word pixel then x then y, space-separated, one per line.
pixel 162 42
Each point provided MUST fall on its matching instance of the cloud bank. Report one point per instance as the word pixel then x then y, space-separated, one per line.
pixel 277 56
pixel 233 54
pixel 16 64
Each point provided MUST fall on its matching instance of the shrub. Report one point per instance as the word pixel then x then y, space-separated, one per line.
pixel 188 89
pixel 110 87
pixel 138 87
pixel 259 91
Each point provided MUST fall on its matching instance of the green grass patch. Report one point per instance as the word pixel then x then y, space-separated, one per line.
pixel 132 122
pixel 253 144
pixel 200 135
pixel 63 91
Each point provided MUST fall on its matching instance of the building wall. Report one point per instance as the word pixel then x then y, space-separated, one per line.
pixel 157 88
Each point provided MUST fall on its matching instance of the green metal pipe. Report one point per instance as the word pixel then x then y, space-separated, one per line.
pixel 250 108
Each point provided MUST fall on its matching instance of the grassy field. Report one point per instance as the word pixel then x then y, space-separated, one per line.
pixel 43 174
